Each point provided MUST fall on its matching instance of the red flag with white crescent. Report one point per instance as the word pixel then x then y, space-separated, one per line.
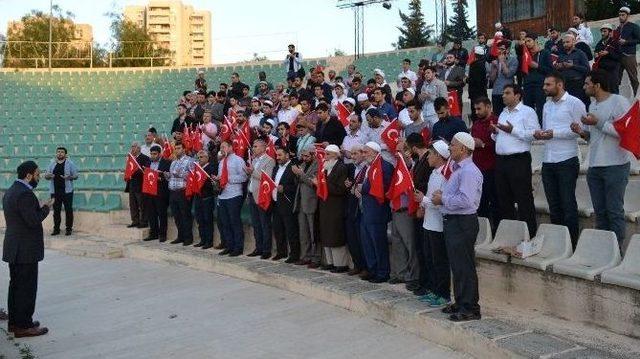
pixel 322 190
pixel 226 130
pixel 454 105
pixel 266 189
pixel 167 150
pixel 224 173
pixel 447 170
pixel 186 138
pixel 401 183
pixel 271 149
pixel 188 189
pixel 391 135
pixel 131 167
pixel 150 183
pixel 375 180
pixel 628 128
pixel 526 60
pixel 200 176
pixel 343 113
pixel 196 140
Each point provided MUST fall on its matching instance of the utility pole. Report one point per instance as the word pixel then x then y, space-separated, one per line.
pixel 50 29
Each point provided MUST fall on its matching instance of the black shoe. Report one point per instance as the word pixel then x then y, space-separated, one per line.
pixel 395 281
pixel 265 255
pixel 254 254
pixel 463 317
pixel 420 292
pixel 224 252
pixel 411 286
pixel 367 277
pixel 207 246
pixel 451 309
pixel 67 232
pixel 187 243
pixel 162 239
pixel 143 225
pixel 199 244
pixel 326 267
pixel 278 257
pixel 291 260
pixel 176 241
pixel 133 225
pixel 340 270
pixel 55 232
pixel 150 238
pixel 378 280
pixel 235 254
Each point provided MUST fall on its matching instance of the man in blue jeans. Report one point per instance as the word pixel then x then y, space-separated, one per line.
pixel 608 172
pixel 231 178
pixel 560 165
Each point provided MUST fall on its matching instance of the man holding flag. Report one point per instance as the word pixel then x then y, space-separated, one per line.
pixel 204 198
pixel 157 201
pixel 260 217
pixel 133 176
pixel 534 71
pixel 608 172
pixel 178 200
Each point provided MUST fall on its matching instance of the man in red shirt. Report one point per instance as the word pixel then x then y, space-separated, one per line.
pixel 484 156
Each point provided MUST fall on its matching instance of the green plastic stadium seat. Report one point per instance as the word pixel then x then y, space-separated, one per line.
pixel 96 201
pixel 112 203
pixel 80 201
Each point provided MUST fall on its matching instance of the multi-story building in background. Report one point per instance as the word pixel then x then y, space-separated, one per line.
pixel 186 32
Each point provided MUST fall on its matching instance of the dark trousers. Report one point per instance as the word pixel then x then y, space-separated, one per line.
pixel 21 301
pixel 285 230
pixel 513 177
pixel 534 97
pixel 261 223
pixel 607 185
pixel 614 81
pixel 181 211
pixel 375 246
pixel 204 208
pixel 157 215
pixel 352 231
pixel 460 233
pixel 489 199
pixel 498 105
pixel 437 263
pixel 230 224
pixel 137 210
pixel 559 180
pixel 67 200
pixel 424 275
pixel 628 63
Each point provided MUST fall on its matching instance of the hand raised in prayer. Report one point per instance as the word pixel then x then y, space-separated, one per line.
pixel 418 196
pixel 590 119
pixel 348 183
pixel 436 198
pixel 508 127
pixel 576 128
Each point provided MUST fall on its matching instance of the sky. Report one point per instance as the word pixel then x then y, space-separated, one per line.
pixel 243 27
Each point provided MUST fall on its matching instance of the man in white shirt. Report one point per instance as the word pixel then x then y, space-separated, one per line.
pixel 584 32
pixel 353 138
pixel 287 113
pixel 560 166
pixel 407 96
pixel 365 105
pixel 256 113
pixel 406 72
pixel 339 97
pixel 432 88
pixel 513 135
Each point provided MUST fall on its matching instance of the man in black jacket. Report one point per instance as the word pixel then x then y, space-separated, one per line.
pixel 608 55
pixel 134 188
pixel 629 39
pixel 156 206
pixel 23 248
pixel 284 222
pixel 328 129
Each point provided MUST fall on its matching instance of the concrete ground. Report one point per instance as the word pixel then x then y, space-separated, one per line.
pixel 132 309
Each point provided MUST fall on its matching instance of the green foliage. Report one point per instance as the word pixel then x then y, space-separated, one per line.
pixel 605 9
pixel 133 46
pixel 458 26
pixel 414 31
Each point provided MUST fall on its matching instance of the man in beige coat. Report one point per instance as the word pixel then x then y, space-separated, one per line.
pixel 305 205
pixel 260 219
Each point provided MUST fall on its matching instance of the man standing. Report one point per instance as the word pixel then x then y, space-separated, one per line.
pixel 180 204
pixel 629 38
pixel 285 224
pixel 608 56
pixel 484 156
pixel 306 204
pixel 432 88
pixel 134 188
pixel 554 43
pixel 231 178
pixel 157 205
pixel 236 86
pixel 513 135
pixel 453 76
pixel 460 53
pixel 353 216
pixel 503 70
pixel 532 82
pixel 416 124
pixel 328 129
pixel 205 201
pixel 447 125
pixel 460 199
pixel 23 248
pixel 573 65
pixel 608 172
pixel 560 166
pixel 293 61
pixel 260 218
pixel 62 172
pixel 406 72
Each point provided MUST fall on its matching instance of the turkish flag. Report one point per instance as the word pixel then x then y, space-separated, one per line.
pixel 322 190
pixel 188 189
pixel 628 128
pixel 131 167
pixel 526 60
pixel 391 135
pixel 454 105
pixel 167 150
pixel 246 132
pixel 472 57
pixel 150 183
pixel 186 138
pixel 199 178
pixel 497 38
pixel 224 173
pixel 271 149
pixel 401 183
pixel 293 129
pixel 240 144
pixel 375 180
pixel 447 170
pixel 554 58
pixel 266 188
pixel 196 140
pixel 226 130
pixel 343 113
pixel 426 135
pixel 233 116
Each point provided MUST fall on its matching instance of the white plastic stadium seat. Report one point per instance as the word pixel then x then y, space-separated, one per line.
pixel 596 252
pixel 540 199
pixel 484 233
pixel 537 155
pixel 555 247
pixel 627 274
pixel 509 234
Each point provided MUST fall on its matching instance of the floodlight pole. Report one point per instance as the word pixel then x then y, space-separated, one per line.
pixel 50 30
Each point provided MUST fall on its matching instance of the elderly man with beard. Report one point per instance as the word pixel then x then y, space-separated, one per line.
pixel 608 55
pixel 306 204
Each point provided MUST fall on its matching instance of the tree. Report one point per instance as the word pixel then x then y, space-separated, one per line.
pixel 605 9
pixel 338 52
pixel 414 32
pixel 458 27
pixel 133 47
pixel 28 41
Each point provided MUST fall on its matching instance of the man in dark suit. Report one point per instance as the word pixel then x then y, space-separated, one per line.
pixel 453 76
pixel 156 206
pixel 375 216
pixel 284 222
pixel 329 130
pixel 23 249
pixel 134 188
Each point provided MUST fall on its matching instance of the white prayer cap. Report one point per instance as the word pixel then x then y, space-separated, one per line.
pixel 625 9
pixel 498 25
pixel 363 97
pixel 350 100
pixel 374 146
pixel 411 90
pixel 341 85
pixel 607 26
pixel 478 50
pixel 442 148
pixel 268 103
pixel 271 122
pixel 465 139
pixel 378 72
pixel 332 148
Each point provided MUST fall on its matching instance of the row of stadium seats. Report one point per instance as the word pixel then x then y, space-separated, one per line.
pixel 106 163
pixel 94 202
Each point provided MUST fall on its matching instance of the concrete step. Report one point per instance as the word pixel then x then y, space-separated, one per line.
pixel 120 233
pixel 120 217
pixel 85 248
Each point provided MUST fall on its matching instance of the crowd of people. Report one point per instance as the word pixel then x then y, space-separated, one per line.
pixel 350 177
